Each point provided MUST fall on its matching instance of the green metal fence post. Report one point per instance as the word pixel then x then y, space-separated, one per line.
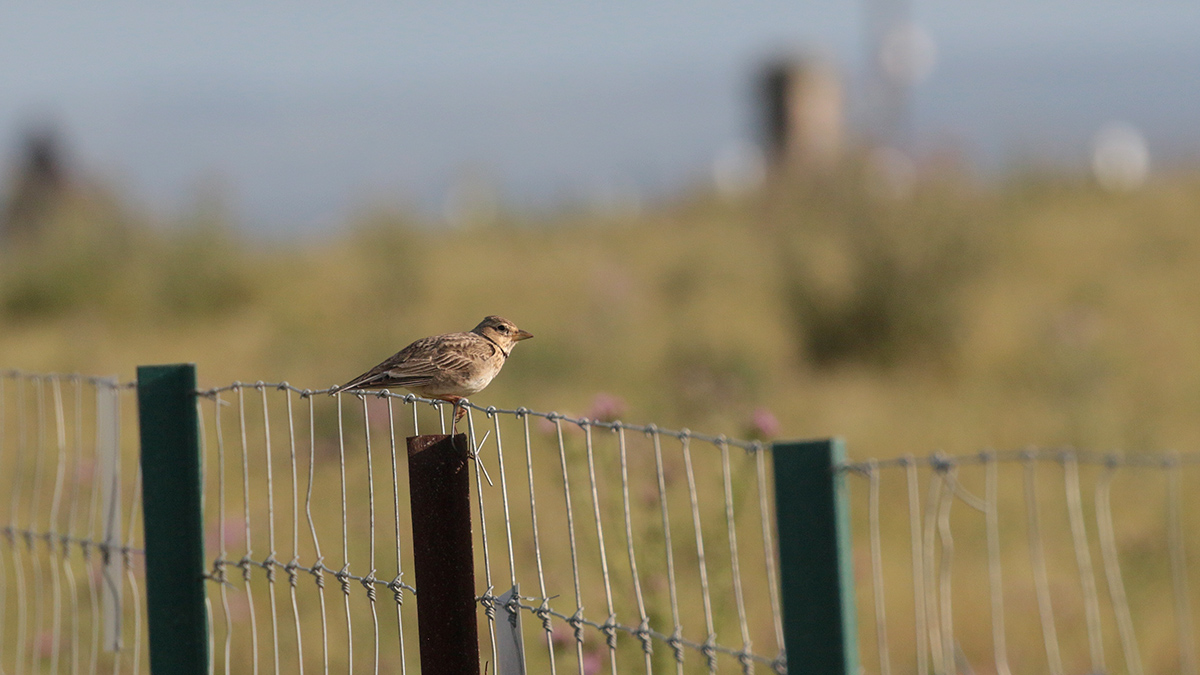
pixel 812 512
pixel 174 530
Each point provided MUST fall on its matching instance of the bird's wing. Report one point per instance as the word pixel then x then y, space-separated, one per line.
pixel 424 360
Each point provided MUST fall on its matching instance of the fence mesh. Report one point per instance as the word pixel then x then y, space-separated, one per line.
pixel 631 548
pixel 612 547
pixel 71 572
pixel 1054 561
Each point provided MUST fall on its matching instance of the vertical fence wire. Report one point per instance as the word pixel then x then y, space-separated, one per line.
pixel 112 518
pixel 917 548
pixel 876 539
pixel 8 531
pixel 1037 560
pixel 1083 562
pixel 55 501
pixel 318 565
pixel 1178 556
pixel 1112 570
pixel 293 564
pixel 734 565
pixel 343 575
pixel 93 533
pixel 675 640
pixel 270 563
pixel 247 562
pixel 930 567
pixel 576 620
pixel 396 585
pixel 945 536
pixel 219 571
pixel 18 565
pixel 70 531
pixel 711 636
pixel 609 628
pixel 511 608
pixel 14 519
pixel 131 576
pixel 368 581
pixel 488 598
pixel 643 629
pixel 995 573
pixel 760 472
pixel 543 608
pixel 36 506
pixel 204 482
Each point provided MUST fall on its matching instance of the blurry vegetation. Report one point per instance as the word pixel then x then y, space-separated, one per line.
pixel 953 316
pixel 875 278
pixel 94 258
pixel 835 303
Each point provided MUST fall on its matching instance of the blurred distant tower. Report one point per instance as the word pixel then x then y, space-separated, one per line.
pixel 803 106
pixel 38 184
pixel 901 55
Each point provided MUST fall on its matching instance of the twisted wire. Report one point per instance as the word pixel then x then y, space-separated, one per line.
pixel 674 641
pixel 318 568
pixel 395 585
pixel 643 626
pixel 343 574
pixel 291 569
pixel 369 582
pixel 489 606
pixel 575 620
pixel 245 562
pixel 270 562
pixel 542 613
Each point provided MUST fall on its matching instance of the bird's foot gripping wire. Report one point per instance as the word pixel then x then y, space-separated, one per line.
pixel 459 412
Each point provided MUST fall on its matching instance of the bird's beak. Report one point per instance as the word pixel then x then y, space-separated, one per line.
pixel 522 335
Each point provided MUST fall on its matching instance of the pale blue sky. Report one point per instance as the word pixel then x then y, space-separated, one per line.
pixel 305 110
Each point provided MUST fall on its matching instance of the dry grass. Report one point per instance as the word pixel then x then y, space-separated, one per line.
pixel 1038 311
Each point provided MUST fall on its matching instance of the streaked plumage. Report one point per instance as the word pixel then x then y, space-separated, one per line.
pixel 447 367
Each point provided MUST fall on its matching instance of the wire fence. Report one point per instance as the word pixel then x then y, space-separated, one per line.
pixel 70 541
pixel 1013 562
pixel 600 546
pixel 620 546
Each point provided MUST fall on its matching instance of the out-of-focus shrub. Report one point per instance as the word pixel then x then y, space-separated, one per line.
pixel 873 277
pixel 95 257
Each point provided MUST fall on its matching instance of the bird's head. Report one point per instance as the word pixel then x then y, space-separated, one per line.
pixel 501 331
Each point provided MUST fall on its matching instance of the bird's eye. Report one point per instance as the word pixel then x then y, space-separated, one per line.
pixel 503 329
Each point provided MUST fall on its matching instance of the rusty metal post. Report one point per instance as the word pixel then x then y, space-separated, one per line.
pixel 439 491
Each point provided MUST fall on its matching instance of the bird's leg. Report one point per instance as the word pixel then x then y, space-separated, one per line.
pixel 459 411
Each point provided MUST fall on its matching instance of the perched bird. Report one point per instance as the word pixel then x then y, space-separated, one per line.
pixel 446 367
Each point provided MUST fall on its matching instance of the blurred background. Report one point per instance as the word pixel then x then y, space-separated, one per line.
pixel 919 225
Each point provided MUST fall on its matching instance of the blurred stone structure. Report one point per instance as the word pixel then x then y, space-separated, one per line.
pixel 803 106
pixel 39 182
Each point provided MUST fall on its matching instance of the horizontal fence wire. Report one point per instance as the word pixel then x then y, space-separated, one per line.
pixel 71 557
pixel 625 548
pixel 1037 560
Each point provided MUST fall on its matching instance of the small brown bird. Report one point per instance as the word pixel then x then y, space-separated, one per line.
pixel 446 367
